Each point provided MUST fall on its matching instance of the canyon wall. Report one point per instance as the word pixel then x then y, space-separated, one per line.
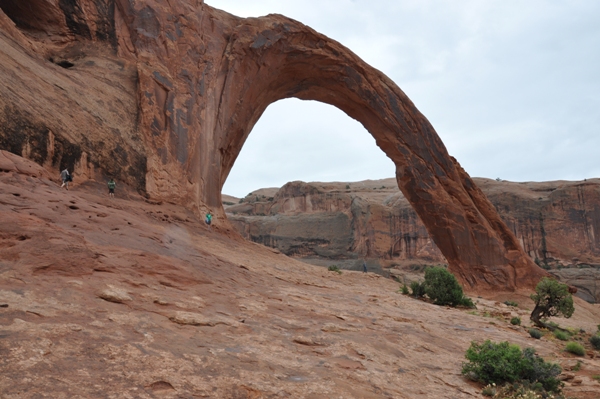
pixel 557 223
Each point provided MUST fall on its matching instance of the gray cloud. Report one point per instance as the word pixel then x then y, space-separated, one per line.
pixel 511 87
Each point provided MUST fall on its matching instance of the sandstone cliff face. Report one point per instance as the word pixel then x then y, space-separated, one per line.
pixel 557 223
pixel 163 95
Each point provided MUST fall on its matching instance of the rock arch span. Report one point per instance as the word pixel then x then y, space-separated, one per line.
pixel 282 58
pixel 204 78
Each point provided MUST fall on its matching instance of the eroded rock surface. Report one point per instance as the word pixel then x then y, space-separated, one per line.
pixel 203 315
pixel 163 95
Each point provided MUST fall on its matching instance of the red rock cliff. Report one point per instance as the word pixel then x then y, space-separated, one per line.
pixel 164 94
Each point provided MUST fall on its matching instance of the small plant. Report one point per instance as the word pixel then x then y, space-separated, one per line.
pixel 551 299
pixel 489 390
pixel 575 348
pixel 443 289
pixel 596 377
pixel 562 335
pixel 535 333
pixel 595 341
pixel 525 390
pixel 577 367
pixel 347 187
pixel 417 289
pixel 515 321
pixel 334 268
pixel 404 290
pixel 511 303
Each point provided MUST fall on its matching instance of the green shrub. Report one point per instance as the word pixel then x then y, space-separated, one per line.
pixel 492 362
pixel 551 299
pixel 467 302
pixel 404 289
pixel 575 348
pixel 536 370
pixel 595 341
pixel 334 268
pixel 498 363
pixel 417 289
pixel 577 367
pixel 562 335
pixel 511 303
pixel 442 287
pixel 515 321
pixel 535 333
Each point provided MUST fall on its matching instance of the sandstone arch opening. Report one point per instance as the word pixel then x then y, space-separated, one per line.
pixel 273 58
pixel 307 141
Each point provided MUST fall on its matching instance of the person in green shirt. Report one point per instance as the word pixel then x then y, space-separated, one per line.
pixel 208 219
pixel 111 188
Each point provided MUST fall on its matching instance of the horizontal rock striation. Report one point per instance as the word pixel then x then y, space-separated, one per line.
pixel 557 223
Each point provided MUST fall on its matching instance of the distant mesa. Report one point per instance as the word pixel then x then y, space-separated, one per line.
pixel 163 98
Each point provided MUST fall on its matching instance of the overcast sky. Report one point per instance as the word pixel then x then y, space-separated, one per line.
pixel 511 86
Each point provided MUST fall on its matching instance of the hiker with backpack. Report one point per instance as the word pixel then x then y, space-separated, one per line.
pixel 208 220
pixel 111 188
pixel 66 178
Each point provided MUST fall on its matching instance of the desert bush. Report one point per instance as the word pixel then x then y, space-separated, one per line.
pixel 562 335
pixel 536 370
pixel 499 363
pixel 417 289
pixel 515 321
pixel 575 348
pixel 535 333
pixel 511 303
pixel 467 302
pixel 404 289
pixel 492 362
pixel 443 289
pixel 551 299
pixel 595 341
pixel 334 268
pixel 489 390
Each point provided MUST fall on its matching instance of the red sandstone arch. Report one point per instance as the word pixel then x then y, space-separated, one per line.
pixel 273 58
pixel 204 77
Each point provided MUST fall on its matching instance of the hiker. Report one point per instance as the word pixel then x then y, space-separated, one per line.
pixel 66 178
pixel 111 188
pixel 364 266
pixel 208 219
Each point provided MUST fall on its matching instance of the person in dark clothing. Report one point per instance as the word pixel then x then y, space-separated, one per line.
pixel 111 188
pixel 66 178
pixel 364 266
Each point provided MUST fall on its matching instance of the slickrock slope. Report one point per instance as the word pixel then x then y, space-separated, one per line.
pixel 163 94
pixel 557 223
pixel 125 298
